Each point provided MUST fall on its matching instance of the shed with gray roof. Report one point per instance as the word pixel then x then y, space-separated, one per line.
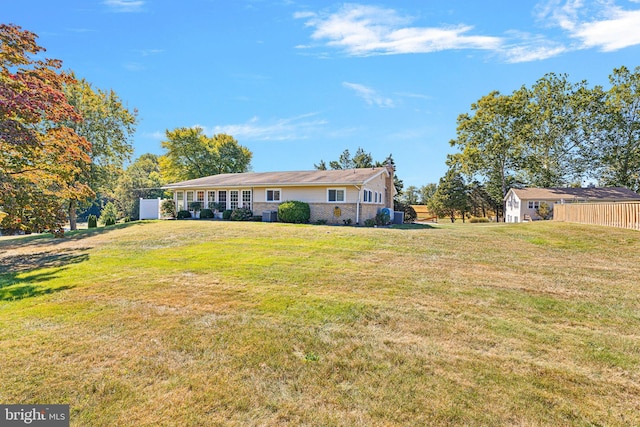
pixel 522 204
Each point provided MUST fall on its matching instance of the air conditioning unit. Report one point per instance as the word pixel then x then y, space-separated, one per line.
pixel 270 216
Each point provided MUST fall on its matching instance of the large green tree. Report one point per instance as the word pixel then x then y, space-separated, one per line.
pixel 618 147
pixel 426 192
pixel 492 139
pixel 541 136
pixel 42 157
pixel 190 154
pixel 361 159
pixel 451 198
pixel 560 117
pixel 410 195
pixel 109 126
pixel 141 179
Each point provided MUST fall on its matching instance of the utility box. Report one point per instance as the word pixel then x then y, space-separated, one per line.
pixel 398 217
pixel 270 216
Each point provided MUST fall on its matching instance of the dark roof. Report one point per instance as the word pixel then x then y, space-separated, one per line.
pixel 589 193
pixel 299 178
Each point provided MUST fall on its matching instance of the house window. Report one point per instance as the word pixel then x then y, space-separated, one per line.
pixel 534 204
pixel 273 195
pixel 222 198
pixel 200 198
pixel 246 199
pixel 180 200
pixel 189 199
pixel 211 199
pixel 368 196
pixel 234 199
pixel 335 194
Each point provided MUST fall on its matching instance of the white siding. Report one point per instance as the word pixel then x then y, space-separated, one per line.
pixel 513 208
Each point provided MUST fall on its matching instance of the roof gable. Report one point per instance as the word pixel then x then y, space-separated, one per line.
pixel 297 178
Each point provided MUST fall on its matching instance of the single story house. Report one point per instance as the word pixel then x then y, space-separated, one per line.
pixel 335 196
pixel 521 204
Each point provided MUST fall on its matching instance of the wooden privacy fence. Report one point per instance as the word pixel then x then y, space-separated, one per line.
pixel 624 215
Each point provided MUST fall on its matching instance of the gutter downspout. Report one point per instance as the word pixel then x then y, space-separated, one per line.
pixel 358 206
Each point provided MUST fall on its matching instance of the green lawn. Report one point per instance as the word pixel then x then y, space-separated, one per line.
pixel 198 323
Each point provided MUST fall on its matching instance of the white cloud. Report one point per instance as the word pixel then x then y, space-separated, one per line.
pixel 125 5
pixel 414 95
pixel 531 47
pixel 302 15
pixel 362 30
pixel 155 135
pixel 294 128
pixel 532 53
pixel 369 95
pixel 133 66
pixel 595 24
pixel 620 31
pixel 150 52
pixel 369 30
pixel 565 16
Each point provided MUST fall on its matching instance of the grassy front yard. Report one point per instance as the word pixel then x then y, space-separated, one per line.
pixel 221 323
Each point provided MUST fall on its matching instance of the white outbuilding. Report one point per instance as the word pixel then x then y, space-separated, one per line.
pixel 523 204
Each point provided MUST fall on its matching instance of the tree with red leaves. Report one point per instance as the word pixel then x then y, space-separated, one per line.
pixel 43 159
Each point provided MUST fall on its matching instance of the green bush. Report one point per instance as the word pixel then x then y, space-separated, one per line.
pixel 206 213
pixel 294 212
pixel 369 222
pixel 322 222
pixel 109 214
pixel 195 206
pixel 545 211
pixel 382 218
pixel 241 214
pixel 183 214
pixel 92 221
pixel 477 220
pixel 168 208
pixel 226 214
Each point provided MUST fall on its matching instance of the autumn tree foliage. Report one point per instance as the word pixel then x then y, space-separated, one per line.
pixel 42 159
pixel 109 126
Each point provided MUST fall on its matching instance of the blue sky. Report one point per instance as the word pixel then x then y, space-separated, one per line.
pixel 300 81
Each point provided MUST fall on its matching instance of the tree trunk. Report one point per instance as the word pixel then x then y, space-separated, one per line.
pixel 72 215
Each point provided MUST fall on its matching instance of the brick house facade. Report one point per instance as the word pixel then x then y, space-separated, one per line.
pixel 334 196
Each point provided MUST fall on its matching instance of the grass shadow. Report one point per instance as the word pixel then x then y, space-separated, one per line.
pixel 48 239
pixel 412 226
pixel 20 278
pixel 28 262
pixel 17 290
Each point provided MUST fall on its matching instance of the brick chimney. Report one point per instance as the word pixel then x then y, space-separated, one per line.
pixel 390 187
